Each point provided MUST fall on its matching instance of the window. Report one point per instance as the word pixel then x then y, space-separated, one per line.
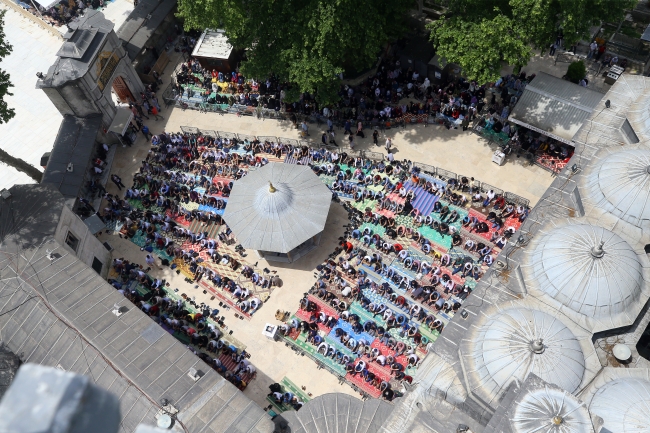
pixel 97 265
pixel 72 241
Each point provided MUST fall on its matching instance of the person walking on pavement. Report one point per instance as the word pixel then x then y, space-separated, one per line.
pixel 154 111
pixel 305 128
pixel 330 125
pixel 552 50
pixel 117 181
pixel 324 138
pixel 145 132
pixel 347 127
pixel 375 137
pixel 389 144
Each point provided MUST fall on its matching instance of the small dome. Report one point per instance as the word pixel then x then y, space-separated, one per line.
pixel 273 200
pixel 519 341
pixel 589 269
pixel 624 405
pixel 550 410
pixel 623 178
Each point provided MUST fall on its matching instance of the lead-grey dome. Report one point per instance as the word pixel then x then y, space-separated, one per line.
pixel 623 178
pixel 280 217
pixel 624 405
pixel 550 410
pixel 589 269
pixel 517 341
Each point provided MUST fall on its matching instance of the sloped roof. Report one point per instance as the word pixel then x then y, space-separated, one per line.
pixel 554 106
pixel 281 219
pixel 59 313
pixel 74 144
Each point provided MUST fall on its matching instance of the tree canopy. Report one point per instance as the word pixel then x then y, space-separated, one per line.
pixel 6 113
pixel 479 35
pixel 305 42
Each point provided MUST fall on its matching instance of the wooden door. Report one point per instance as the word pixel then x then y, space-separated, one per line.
pixel 122 90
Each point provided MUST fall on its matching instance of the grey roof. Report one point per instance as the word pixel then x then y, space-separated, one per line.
pixel 567 265
pixel 213 44
pixel 621 183
pixel 121 121
pixel 59 313
pixel 556 107
pixel 9 363
pixel 550 409
pixel 536 406
pixel 142 23
pixel 338 413
pixel 79 48
pixel 74 144
pixel 500 350
pixel 624 405
pixel 278 221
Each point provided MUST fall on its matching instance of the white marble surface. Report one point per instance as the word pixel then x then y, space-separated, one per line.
pixel 9 176
pixel 34 128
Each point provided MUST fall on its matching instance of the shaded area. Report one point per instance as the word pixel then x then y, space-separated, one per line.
pixel 555 107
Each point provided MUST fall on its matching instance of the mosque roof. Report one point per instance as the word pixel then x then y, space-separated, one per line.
pixel 587 268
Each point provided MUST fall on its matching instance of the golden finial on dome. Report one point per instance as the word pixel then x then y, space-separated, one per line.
pixel 271 187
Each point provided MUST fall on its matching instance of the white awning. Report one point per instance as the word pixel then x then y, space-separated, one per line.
pixel 47 3
pixel 554 107
pixel 121 121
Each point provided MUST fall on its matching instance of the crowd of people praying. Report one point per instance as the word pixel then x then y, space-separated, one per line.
pixel 416 245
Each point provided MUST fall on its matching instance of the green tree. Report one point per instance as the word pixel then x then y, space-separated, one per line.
pixel 479 35
pixel 576 71
pixel 306 42
pixel 6 113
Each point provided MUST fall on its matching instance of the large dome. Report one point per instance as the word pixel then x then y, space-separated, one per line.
pixel 589 269
pixel 624 405
pixel 551 410
pixel 518 341
pixel 623 178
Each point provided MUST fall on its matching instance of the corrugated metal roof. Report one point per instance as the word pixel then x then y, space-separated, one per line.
pixel 555 107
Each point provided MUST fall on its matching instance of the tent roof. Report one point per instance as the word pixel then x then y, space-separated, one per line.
pixel 554 107
pixel 121 121
pixel 278 221
pixel 213 44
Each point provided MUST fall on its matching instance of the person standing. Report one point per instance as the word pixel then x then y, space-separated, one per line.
pixel 117 181
pixel 389 144
pixel 552 50
pixel 347 127
pixel 375 137
pixel 154 112
pixel 305 128
pixel 333 138
pixel 465 123
pixel 323 138
pixel 592 49
pixel 330 125
pixel 145 132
